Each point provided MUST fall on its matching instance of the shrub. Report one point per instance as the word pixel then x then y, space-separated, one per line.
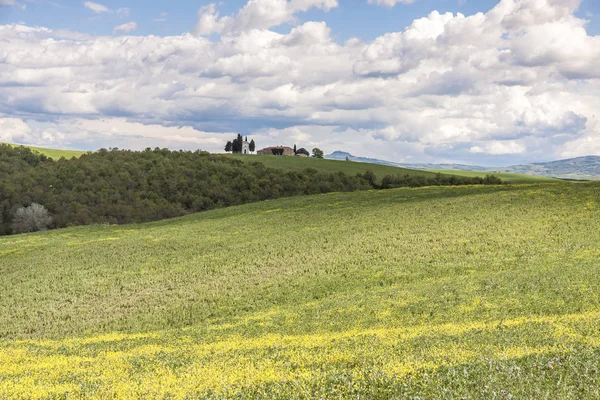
pixel 31 219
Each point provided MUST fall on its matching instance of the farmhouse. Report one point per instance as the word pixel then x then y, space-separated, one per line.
pixel 277 151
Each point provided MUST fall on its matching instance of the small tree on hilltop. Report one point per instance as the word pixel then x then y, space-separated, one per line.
pixel 229 146
pixel 302 150
pixel 237 144
pixel 31 219
pixel 252 146
pixel 317 153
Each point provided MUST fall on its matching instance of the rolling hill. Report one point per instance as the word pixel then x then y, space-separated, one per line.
pixel 350 168
pixel 380 170
pixel 378 167
pixel 573 168
pixel 445 292
pixel 53 153
pixel 580 168
pixel 508 177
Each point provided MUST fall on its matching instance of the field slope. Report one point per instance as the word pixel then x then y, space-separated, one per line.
pixel 321 164
pixel 380 170
pixel 508 177
pixel 55 154
pixel 452 292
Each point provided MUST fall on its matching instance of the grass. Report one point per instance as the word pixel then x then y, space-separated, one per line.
pixel 505 176
pixel 352 168
pixel 321 164
pixel 55 154
pixel 451 292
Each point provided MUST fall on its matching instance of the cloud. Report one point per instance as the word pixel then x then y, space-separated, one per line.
pixel 13 130
pixel 256 14
pixel 13 3
pixel 500 147
pixel 123 12
pixel 517 84
pixel 125 28
pixel 97 8
pixel 77 132
pixel 390 3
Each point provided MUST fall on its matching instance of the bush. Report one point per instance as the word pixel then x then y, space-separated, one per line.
pixel 31 219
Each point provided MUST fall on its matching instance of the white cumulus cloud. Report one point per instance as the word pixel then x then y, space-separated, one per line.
pixel 125 28
pixel 256 14
pixel 96 7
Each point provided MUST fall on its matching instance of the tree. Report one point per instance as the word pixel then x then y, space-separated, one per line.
pixel 347 159
pixel 229 146
pixel 317 153
pixel 295 152
pixel 252 145
pixel 370 177
pixel 237 144
pixel 31 219
pixel 302 150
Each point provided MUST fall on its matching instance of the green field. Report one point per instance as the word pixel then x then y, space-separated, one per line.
pixel 321 164
pixel 448 292
pixel 55 154
pixel 352 168
pixel 505 176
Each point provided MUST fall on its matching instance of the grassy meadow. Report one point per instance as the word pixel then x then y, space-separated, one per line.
pixel 321 164
pixel 352 168
pixel 440 292
pixel 508 177
pixel 55 154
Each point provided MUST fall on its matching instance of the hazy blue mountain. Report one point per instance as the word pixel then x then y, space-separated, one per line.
pixel 587 167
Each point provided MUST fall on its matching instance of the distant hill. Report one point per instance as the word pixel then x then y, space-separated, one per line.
pixel 585 168
pixel 341 155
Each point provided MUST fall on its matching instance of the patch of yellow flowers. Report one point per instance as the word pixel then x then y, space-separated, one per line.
pixel 190 362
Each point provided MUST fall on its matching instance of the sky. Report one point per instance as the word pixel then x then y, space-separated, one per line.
pixel 486 82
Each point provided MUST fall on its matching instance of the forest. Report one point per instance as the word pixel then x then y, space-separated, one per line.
pixel 123 186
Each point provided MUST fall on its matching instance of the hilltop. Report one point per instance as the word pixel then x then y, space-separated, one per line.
pixel 52 153
pixel 325 165
pixel 441 292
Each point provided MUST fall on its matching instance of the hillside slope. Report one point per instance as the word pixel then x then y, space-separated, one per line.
pixel 325 165
pixel 455 292
pixel 53 153
pixel 580 168
pixel 447 169
pixel 508 177
pixel 573 168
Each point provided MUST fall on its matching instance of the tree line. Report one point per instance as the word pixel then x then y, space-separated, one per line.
pixel 123 186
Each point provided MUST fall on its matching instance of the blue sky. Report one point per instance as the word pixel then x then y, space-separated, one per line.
pixel 403 80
